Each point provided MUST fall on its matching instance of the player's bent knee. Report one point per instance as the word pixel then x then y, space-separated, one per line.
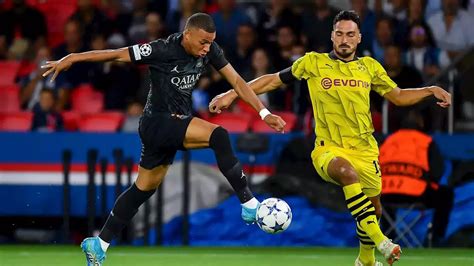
pixel 219 140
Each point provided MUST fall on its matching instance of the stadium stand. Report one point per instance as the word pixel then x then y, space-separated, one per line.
pixel 10 99
pixel 18 122
pixel 9 70
pixel 87 100
pixel 100 122
pixel 235 123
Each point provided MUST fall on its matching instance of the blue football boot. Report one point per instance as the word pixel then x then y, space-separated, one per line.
pixel 95 256
pixel 249 215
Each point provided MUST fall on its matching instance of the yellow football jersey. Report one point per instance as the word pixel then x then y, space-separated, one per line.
pixel 339 94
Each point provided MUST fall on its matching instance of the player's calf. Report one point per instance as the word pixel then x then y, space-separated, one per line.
pixel 231 168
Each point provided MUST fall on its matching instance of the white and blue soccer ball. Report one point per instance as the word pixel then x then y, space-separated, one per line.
pixel 273 215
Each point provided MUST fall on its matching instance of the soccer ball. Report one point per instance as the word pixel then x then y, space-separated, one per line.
pixel 273 215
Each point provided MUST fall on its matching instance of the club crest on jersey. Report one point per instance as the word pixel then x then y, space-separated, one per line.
pixel 145 49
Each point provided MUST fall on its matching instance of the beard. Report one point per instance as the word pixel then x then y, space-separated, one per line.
pixel 345 52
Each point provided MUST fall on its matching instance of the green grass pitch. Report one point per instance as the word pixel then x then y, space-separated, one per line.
pixel 221 256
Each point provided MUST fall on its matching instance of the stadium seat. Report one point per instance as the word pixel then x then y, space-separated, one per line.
pixel 245 107
pixel 234 123
pixel 62 10
pixel 20 121
pixel 10 99
pixel 71 120
pixel 84 99
pixel 9 70
pixel 259 126
pixel 101 122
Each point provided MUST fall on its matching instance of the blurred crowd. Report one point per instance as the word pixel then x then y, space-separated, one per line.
pixel 413 39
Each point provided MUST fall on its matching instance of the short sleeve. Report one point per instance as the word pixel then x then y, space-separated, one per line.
pixel 381 82
pixel 216 56
pixel 305 67
pixel 148 52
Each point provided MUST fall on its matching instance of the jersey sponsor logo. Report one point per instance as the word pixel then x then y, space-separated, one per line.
pixel 145 49
pixel 327 83
pixel 185 82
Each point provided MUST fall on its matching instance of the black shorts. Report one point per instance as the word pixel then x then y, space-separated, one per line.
pixel 162 135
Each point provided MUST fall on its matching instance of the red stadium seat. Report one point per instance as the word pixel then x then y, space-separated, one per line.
pixel 8 70
pixel 85 99
pixel 20 121
pixel 259 126
pixel 10 98
pixel 234 123
pixel 56 13
pixel 101 122
pixel 71 120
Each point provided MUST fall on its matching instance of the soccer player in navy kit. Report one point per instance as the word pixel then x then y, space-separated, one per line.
pixel 166 126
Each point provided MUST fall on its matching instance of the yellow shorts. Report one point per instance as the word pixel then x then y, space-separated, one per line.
pixel 366 165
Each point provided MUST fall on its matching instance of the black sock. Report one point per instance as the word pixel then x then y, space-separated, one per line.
pixel 125 208
pixel 229 165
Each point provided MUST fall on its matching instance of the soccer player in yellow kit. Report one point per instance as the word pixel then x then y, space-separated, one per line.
pixel 346 152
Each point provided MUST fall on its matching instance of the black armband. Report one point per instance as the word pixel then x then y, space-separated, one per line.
pixel 286 76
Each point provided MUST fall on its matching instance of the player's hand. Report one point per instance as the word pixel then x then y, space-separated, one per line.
pixel 221 101
pixel 442 95
pixel 275 122
pixel 57 66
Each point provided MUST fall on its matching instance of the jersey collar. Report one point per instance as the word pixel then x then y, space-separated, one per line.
pixel 333 56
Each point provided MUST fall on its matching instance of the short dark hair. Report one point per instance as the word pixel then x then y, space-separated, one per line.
pixel 201 21
pixel 347 15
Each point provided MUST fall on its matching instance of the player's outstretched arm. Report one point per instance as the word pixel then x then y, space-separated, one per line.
pixel 248 95
pixel 120 55
pixel 259 85
pixel 406 97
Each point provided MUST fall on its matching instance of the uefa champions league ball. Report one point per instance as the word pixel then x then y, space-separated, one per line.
pixel 273 215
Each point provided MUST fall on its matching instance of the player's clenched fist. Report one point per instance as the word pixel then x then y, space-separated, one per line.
pixel 275 122
pixel 221 101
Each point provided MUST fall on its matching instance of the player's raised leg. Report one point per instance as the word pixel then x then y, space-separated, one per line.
pixel 362 208
pixel 126 206
pixel 202 134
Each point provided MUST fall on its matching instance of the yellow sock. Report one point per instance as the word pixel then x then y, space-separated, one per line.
pixel 363 211
pixel 366 248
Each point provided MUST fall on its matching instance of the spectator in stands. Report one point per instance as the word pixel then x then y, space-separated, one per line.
pixel 91 18
pixel 384 37
pixel 132 117
pixel 45 118
pixel 73 43
pixel 367 18
pixel 118 81
pixel 154 27
pixel 241 56
pixel 228 18
pixel 176 20
pixel 282 51
pixel 452 28
pixel 412 167
pixel 34 84
pixel 405 77
pixel 276 14
pixel 317 26
pixel 416 10
pixel 22 23
pixel 131 23
pixel 423 54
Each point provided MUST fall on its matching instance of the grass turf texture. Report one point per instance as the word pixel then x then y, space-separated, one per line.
pixel 246 256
